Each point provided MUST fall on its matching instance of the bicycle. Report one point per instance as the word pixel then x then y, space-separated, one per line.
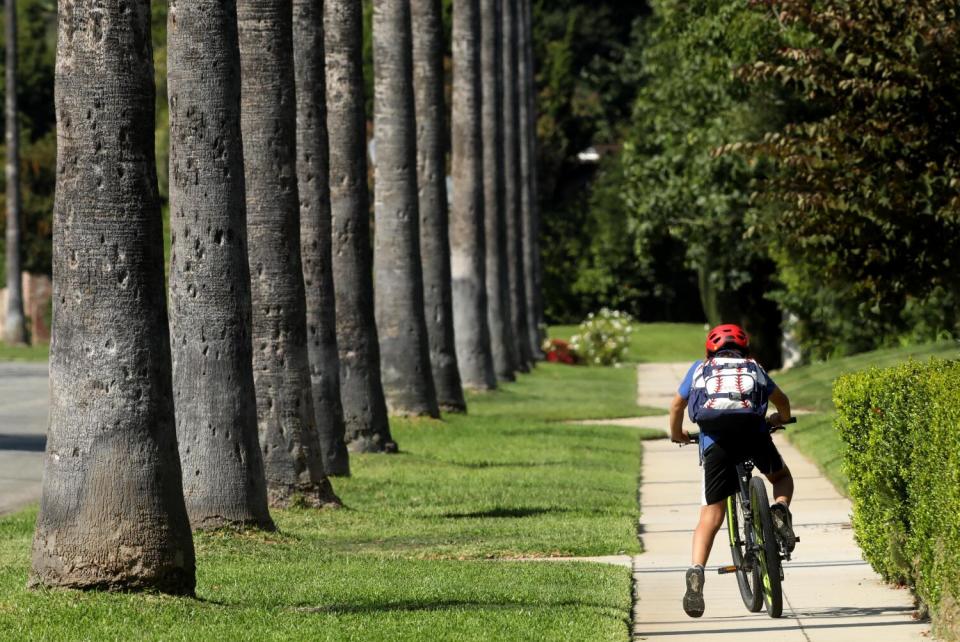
pixel 755 546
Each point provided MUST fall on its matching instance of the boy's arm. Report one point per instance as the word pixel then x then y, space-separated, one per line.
pixel 677 434
pixel 780 400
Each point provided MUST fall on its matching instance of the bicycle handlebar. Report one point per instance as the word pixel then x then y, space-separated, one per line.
pixel 695 436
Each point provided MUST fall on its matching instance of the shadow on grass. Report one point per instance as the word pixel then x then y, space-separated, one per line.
pixel 501 512
pixel 442 605
pixel 478 465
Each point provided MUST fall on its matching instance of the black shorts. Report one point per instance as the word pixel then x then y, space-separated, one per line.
pixel 720 461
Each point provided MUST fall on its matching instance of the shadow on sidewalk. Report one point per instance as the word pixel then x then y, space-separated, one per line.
pixel 852 611
pixel 733 630
pixel 26 443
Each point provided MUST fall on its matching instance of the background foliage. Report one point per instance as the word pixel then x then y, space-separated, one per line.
pixel 587 80
pixel 866 188
pixel 689 103
pixel 803 154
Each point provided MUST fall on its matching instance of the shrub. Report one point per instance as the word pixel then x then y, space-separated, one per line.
pixel 603 338
pixel 900 427
pixel 559 351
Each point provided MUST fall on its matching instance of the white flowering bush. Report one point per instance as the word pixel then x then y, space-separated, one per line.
pixel 603 338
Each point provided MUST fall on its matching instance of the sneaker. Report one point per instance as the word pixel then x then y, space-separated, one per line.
pixel 783 524
pixel 693 598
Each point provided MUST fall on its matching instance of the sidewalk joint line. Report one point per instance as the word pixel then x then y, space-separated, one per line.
pixel 796 617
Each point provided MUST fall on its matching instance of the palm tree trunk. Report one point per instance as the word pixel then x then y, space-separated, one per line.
pixel 288 430
pixel 313 171
pixel 428 86
pixel 112 514
pixel 502 342
pixel 467 244
pixel 364 408
pixel 14 331
pixel 528 178
pixel 512 184
pixel 398 277
pixel 540 321
pixel 209 277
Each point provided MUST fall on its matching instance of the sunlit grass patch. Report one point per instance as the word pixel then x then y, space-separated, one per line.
pixel 420 549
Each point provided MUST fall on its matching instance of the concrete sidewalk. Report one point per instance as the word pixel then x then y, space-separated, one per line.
pixel 830 593
pixel 24 401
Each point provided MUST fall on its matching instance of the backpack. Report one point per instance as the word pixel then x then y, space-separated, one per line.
pixel 728 392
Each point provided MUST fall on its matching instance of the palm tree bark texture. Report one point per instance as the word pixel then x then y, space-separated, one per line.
pixel 467 245
pixel 313 167
pixel 428 87
pixel 214 396
pixel 112 514
pixel 540 322
pixel 398 277
pixel 512 184
pixel 288 431
pixel 528 205
pixel 502 342
pixel 14 331
pixel 364 407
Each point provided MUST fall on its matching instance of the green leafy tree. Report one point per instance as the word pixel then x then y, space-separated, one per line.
pixel 863 212
pixel 690 102
pixel 584 95
pixel 655 285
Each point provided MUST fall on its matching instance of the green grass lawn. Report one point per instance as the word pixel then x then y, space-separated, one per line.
pixel 811 388
pixel 40 352
pixel 654 342
pixel 423 548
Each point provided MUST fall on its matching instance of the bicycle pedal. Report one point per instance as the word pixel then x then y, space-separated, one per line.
pixel 723 570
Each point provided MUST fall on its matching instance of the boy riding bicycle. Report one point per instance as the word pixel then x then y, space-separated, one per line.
pixel 728 394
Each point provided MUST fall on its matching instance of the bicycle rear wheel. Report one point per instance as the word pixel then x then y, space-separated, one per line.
pixel 768 553
pixel 748 580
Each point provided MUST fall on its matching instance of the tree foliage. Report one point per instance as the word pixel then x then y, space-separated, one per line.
pixel 866 196
pixel 689 103
pixel 804 152
pixel 587 81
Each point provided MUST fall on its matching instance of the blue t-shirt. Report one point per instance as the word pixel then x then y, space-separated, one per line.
pixel 687 384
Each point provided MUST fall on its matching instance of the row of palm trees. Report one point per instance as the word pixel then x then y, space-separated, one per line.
pixel 288 344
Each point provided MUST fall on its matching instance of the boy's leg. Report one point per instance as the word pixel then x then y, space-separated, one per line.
pixel 711 519
pixel 719 481
pixel 782 482
pixel 770 463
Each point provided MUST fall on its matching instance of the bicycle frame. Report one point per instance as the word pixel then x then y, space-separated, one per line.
pixel 744 475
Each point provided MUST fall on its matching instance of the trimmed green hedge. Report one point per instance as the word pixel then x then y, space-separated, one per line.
pixel 901 427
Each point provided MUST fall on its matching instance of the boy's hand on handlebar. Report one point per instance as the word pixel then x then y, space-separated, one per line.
pixel 682 438
pixel 776 421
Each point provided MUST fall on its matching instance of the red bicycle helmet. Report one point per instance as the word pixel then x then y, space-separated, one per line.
pixel 727 335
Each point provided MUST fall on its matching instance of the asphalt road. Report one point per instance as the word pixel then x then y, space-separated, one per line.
pixel 24 399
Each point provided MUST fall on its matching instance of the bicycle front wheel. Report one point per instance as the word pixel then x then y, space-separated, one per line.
pixel 748 580
pixel 768 553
